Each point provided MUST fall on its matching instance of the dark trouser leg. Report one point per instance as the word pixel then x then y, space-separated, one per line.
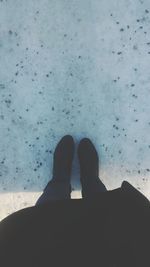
pixel 93 187
pixel 55 190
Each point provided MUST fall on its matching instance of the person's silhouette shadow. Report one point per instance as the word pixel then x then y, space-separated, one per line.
pixel 59 187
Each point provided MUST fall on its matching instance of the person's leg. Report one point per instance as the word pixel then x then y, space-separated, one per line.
pixel 89 169
pixel 93 188
pixel 59 187
pixel 55 191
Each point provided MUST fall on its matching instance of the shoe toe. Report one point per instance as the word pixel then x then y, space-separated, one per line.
pixel 67 138
pixel 86 146
pixel 65 145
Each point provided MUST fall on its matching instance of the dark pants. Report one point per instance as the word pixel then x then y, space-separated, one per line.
pixel 56 190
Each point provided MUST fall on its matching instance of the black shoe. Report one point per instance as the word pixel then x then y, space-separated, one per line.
pixel 89 168
pixel 88 159
pixel 62 161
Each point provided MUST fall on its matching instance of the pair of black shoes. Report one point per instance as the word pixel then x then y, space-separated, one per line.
pixel 88 161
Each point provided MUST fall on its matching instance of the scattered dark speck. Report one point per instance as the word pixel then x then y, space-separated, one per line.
pixel 121 29
pixel 135 47
pixel 146 11
pixel 8 102
pixel 135 96
pixel 119 53
pixel 52 108
pixel 116 127
pixel 10 32
pixel 2 117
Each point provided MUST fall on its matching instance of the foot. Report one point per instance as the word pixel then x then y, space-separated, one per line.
pixel 88 158
pixel 63 157
pixel 89 165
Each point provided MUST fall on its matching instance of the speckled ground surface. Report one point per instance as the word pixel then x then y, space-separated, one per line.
pixel 77 67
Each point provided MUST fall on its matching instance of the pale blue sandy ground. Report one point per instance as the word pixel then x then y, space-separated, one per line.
pixel 77 67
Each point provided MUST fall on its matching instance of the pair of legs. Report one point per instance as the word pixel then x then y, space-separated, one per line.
pixel 59 187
